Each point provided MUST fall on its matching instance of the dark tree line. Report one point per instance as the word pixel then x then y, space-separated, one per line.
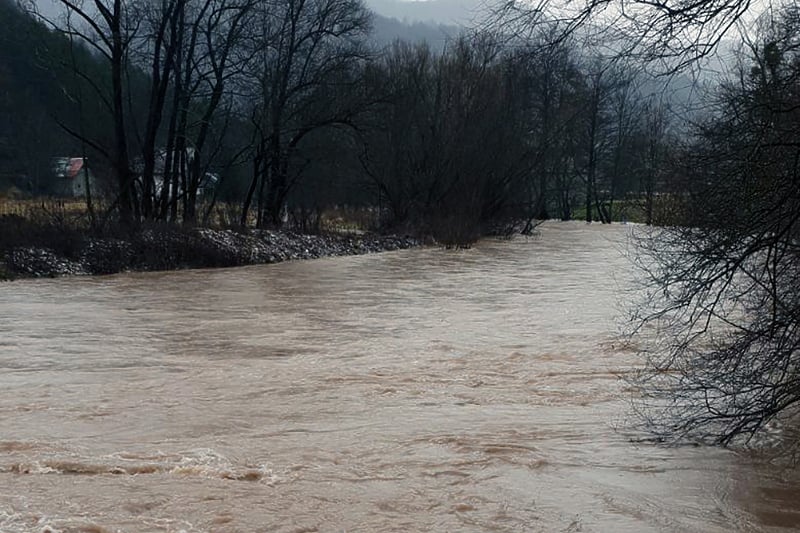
pixel 287 111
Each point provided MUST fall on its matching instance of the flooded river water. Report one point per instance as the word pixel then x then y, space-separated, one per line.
pixel 421 390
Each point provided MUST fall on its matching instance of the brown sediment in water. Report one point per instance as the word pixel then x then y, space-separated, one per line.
pixel 422 390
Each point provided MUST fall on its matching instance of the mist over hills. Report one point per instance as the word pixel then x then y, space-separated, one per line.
pixel 439 21
pixel 386 30
pixel 448 12
pixel 433 21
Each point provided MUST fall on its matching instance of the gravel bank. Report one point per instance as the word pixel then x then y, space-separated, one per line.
pixel 171 249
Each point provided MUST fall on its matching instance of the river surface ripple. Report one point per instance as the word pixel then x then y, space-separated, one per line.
pixel 421 390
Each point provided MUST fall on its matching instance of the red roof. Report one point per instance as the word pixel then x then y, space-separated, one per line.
pixel 74 166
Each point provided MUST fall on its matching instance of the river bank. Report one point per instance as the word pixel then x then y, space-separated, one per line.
pixel 173 248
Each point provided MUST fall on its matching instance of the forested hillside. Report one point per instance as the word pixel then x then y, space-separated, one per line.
pixel 35 65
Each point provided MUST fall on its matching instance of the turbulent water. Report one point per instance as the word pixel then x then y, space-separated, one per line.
pixel 421 390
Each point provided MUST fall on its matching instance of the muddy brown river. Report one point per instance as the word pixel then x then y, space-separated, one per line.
pixel 421 390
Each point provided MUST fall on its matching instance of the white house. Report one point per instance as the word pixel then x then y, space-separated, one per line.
pixel 71 176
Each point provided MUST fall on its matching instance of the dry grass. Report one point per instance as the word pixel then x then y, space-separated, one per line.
pixel 32 207
pixel 74 212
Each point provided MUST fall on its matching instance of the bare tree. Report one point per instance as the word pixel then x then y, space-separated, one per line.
pixel 625 119
pixel 161 42
pixel 656 136
pixel 300 47
pixel 108 28
pixel 546 82
pixel 723 305
pixel 672 34
pixel 594 137
pixel 223 33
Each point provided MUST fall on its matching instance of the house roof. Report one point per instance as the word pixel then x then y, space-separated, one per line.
pixel 75 166
pixel 68 167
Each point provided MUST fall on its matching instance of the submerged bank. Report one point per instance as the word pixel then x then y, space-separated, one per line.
pixel 170 248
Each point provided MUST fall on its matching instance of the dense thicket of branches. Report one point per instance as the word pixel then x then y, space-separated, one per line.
pixel 726 283
pixel 668 34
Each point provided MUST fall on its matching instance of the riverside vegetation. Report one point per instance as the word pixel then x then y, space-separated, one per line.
pixel 50 246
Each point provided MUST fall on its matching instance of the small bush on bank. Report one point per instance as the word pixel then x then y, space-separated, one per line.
pixel 454 231
pixel 169 247
pixel 64 237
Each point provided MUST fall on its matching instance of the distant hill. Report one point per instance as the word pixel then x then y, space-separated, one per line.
pixel 387 30
pixel 39 90
pixel 447 12
pixel 29 96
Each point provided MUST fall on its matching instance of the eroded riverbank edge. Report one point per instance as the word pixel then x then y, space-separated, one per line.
pixel 176 249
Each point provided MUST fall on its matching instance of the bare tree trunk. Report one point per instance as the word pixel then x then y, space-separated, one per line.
pixel 592 166
pixel 123 170
pixel 248 199
pixel 160 75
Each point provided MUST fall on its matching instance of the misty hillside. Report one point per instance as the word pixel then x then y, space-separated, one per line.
pixel 386 30
pixel 448 12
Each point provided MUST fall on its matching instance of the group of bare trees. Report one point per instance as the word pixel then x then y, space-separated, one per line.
pixel 254 93
pixel 447 146
pixel 719 326
pixel 195 88
pixel 306 55
pixel 163 94
pixel 485 132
